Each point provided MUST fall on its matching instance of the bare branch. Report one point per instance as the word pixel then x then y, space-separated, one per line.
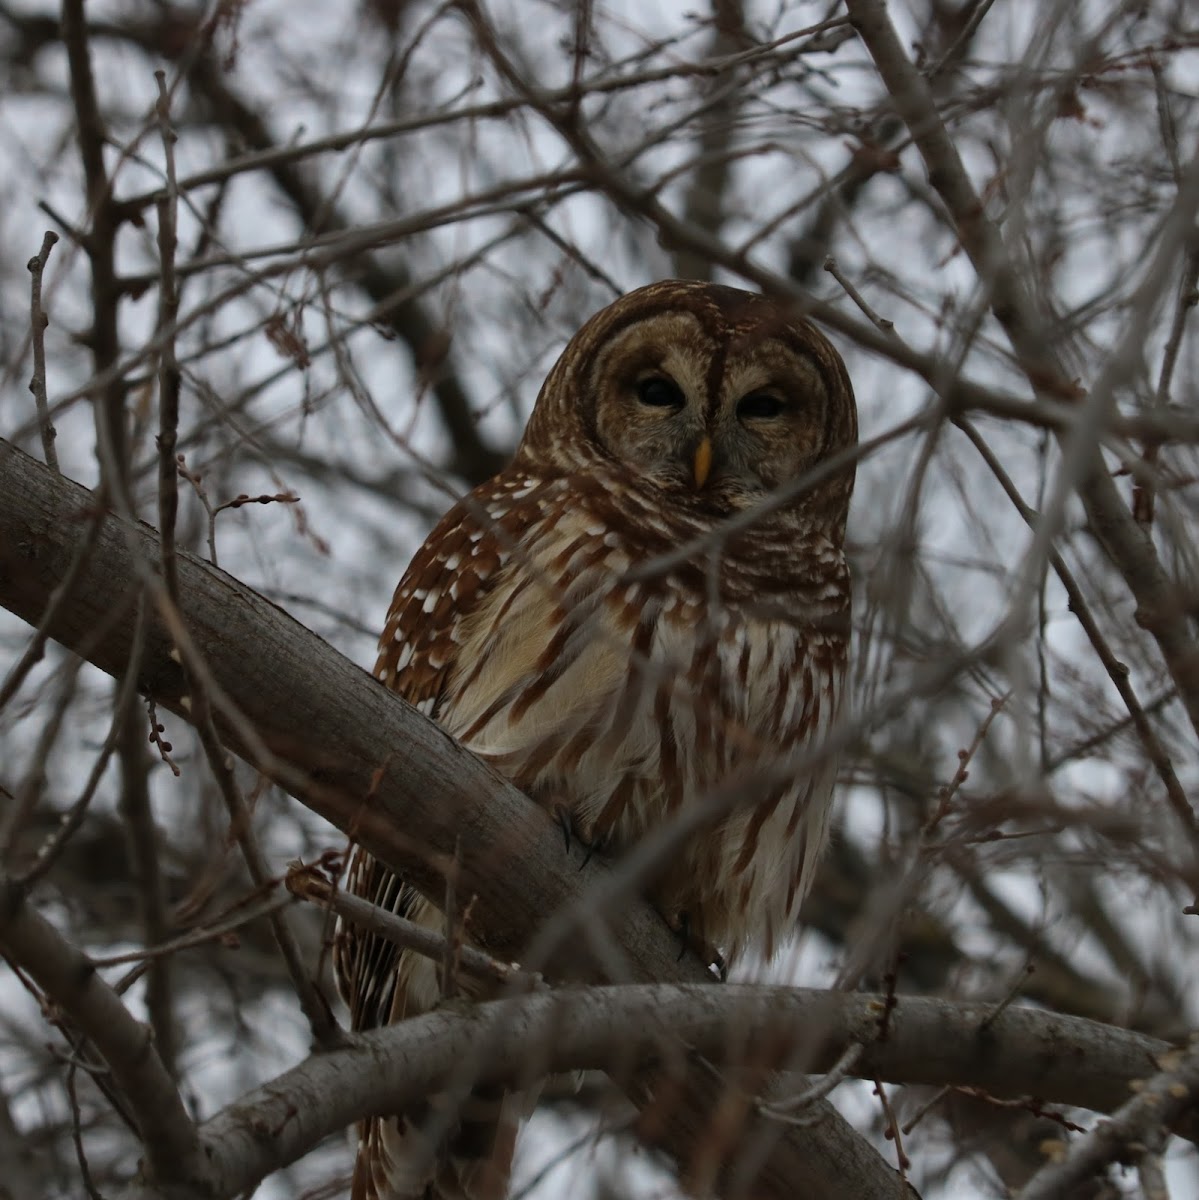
pixel 69 980
pixel 1024 1051
pixel 1159 1101
pixel 1160 610
pixel 37 325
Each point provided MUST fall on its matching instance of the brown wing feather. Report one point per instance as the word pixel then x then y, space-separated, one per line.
pixel 449 575
pixel 418 652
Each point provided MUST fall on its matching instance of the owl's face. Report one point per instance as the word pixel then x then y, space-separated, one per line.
pixel 725 419
pixel 715 396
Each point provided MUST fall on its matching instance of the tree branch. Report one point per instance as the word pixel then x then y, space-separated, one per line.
pixel 69 980
pixel 1022 1051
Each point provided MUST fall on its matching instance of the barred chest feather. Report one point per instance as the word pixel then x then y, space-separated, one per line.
pixel 615 663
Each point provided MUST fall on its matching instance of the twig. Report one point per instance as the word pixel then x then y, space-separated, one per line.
pixel 1157 1105
pixel 196 479
pixel 16 812
pixel 220 931
pixel 1026 1104
pixel 143 845
pixel 591 1135
pixel 980 10
pixel 787 1108
pixel 38 320
pixel 306 883
pixel 126 693
pixel 58 601
pixel 326 1032
pixel 1188 297
pixel 965 757
pixel 168 365
pixel 163 747
pixel 880 323
pixel 926 1108
pixel 892 1133
pixel 453 932
pixel 85 1170
pixel 1011 994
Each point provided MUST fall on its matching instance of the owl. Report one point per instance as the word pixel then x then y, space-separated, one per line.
pixel 652 599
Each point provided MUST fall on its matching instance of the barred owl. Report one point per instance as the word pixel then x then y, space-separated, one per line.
pixel 650 598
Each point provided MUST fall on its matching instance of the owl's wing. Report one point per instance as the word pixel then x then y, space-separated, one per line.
pixel 457 565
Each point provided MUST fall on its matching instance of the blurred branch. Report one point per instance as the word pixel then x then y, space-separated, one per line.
pixel 712 173
pixel 1159 609
pixel 26 1171
pixel 1131 1131
pixel 99 243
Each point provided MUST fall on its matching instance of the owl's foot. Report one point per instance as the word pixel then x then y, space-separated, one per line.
pixel 597 845
pixel 572 836
pixel 690 939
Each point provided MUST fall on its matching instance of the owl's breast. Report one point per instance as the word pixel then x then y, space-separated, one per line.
pixel 624 699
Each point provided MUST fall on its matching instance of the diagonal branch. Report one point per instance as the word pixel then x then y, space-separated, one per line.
pixel 69 980
pixel 1130 1134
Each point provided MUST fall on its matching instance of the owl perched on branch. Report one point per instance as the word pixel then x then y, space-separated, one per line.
pixel 650 601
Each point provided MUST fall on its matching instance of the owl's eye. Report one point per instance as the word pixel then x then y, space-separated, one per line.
pixel 659 392
pixel 759 405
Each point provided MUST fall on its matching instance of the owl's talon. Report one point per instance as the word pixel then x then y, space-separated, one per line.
pixel 708 954
pixel 597 845
pixel 566 825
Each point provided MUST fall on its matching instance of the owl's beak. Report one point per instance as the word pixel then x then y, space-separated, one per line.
pixel 703 461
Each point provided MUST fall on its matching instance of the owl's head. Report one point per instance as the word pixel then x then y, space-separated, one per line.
pixel 716 397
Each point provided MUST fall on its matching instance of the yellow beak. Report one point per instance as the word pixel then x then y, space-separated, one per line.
pixel 703 462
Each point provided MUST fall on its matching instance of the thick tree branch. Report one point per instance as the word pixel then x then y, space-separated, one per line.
pixel 366 761
pixel 1021 1051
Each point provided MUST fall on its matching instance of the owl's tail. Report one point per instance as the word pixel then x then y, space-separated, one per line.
pixel 451 1147
pixel 397 1160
